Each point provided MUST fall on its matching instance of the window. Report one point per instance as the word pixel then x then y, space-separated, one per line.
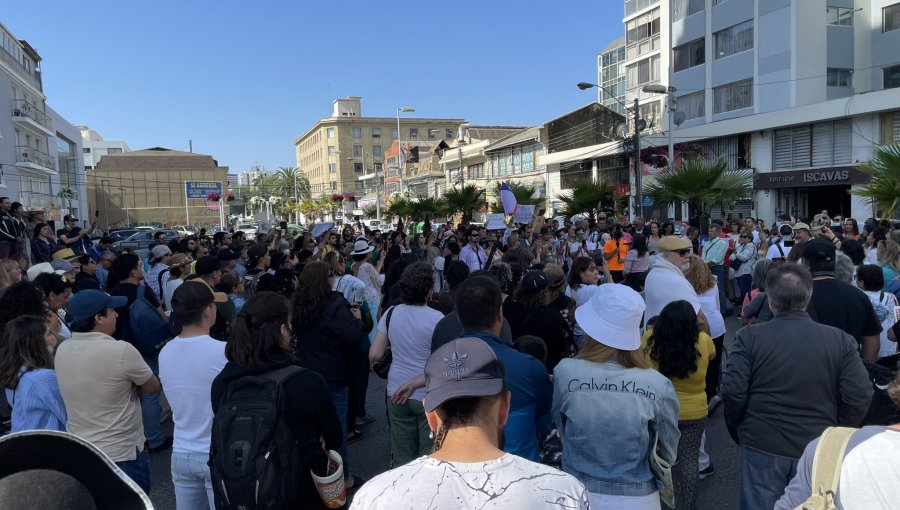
pixel 652 114
pixel 376 132
pixel 733 96
pixel 332 168
pixel 643 27
pixel 818 145
pixel 357 151
pixel 633 6
pixel 734 39
pixel 839 16
pixel 642 72
pixel 86 150
pixel 394 135
pixel 331 150
pixel 693 105
pixel 890 16
pixel 392 188
pixel 448 134
pixel 357 132
pixel 333 185
pixel 839 77
pixel 376 151
pixel 475 171
pixel 413 133
pixel 683 8
pixel 892 77
pixel 433 133
pixel 358 168
pixel 690 55
pixel 114 150
pixel 360 186
pixel 330 132
pixel 890 127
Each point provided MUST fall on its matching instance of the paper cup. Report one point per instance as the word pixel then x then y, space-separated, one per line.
pixel 331 487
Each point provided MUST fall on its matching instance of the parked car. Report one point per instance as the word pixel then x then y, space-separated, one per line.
pixel 121 234
pixel 141 241
pixel 248 230
pixel 185 230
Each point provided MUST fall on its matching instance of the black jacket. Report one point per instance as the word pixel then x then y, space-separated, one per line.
pixel 308 412
pixel 790 378
pixel 330 343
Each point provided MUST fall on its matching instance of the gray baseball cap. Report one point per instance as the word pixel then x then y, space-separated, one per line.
pixel 465 367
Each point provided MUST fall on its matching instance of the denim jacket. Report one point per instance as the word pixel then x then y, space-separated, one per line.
pixel 605 414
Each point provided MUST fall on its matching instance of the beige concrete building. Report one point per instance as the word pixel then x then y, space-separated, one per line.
pixel 148 187
pixel 337 150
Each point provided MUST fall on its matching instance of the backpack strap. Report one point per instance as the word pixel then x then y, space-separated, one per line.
pixel 829 456
pixel 387 323
pixel 778 245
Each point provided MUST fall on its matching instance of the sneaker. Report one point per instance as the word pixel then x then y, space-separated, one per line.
pixel 162 447
pixel 709 471
pixel 362 420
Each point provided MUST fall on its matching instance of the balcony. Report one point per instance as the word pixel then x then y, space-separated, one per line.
pixel 29 117
pixel 30 158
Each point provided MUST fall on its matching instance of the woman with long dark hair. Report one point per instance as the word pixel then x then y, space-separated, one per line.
pixel 258 344
pixel 637 263
pixel 57 290
pixel 27 375
pixel 43 244
pixel 327 334
pixel 653 237
pixel 681 352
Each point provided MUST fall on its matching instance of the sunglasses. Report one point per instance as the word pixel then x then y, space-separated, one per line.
pixel 684 253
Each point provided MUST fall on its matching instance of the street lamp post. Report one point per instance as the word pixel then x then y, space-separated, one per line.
pixel 104 184
pixel 401 109
pixel 125 202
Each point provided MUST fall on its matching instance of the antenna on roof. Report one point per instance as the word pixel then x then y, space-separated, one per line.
pixel 190 145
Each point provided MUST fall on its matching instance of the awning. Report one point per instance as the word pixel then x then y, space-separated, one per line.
pixel 590 152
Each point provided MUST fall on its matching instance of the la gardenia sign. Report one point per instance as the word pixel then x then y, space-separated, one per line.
pixel 806 178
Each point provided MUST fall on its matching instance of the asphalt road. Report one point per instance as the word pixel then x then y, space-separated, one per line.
pixel 370 455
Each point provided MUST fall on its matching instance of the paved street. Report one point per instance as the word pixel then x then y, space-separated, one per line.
pixel 370 455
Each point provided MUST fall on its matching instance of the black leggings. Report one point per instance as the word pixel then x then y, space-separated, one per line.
pixel 714 371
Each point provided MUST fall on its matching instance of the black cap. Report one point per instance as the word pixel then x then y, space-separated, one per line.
pixel 819 250
pixel 69 217
pixel 534 281
pixel 208 265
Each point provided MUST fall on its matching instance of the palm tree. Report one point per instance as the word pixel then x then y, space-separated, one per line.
pixel 586 197
pixel 286 178
pixel 524 196
pixel 701 184
pixel 425 209
pixel 466 200
pixel 883 189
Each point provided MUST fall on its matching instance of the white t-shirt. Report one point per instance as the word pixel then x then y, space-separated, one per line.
pixel 187 367
pixel 508 482
pixel 352 288
pixel 870 472
pixel 709 303
pixel 773 252
pixel 582 295
pixel 169 291
pixel 410 339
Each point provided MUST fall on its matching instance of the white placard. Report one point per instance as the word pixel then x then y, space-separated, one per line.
pixel 320 228
pixel 495 222
pixel 524 214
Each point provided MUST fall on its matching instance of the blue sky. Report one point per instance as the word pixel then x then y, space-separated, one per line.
pixel 243 80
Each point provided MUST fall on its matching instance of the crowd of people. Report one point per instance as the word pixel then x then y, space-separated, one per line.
pixel 567 365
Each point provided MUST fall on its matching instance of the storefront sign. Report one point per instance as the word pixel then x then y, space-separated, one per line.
pixel 835 176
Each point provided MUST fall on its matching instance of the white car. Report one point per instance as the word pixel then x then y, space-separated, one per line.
pixel 248 229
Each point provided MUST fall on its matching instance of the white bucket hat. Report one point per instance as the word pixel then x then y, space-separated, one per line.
pixel 362 247
pixel 613 317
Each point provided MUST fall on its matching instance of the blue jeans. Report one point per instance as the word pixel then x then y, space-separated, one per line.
pixel 721 281
pixel 138 470
pixel 151 412
pixel 340 398
pixel 744 282
pixel 192 481
pixel 764 478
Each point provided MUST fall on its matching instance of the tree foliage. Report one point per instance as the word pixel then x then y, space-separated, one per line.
pixel 465 200
pixel 702 184
pixel 883 188
pixel 524 196
pixel 586 196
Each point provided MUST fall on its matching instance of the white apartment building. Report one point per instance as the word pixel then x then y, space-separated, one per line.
pixel 95 147
pixel 611 76
pixel 799 91
pixel 41 162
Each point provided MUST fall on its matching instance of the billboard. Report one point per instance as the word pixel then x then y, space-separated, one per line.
pixel 199 189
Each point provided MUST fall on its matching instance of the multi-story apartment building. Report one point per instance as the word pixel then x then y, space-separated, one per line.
pixel 250 176
pixel 611 76
pixel 41 162
pixel 339 149
pixel 95 147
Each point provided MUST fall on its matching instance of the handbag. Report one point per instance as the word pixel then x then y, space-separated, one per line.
pixel 383 366
pixel 662 471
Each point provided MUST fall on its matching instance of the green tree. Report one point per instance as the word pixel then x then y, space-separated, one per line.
pixel 524 196
pixel 465 200
pixel 370 211
pixel 701 184
pixel 586 196
pixel 286 178
pixel 883 189
pixel 426 209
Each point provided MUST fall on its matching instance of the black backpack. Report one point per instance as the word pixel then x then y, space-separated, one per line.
pixel 254 459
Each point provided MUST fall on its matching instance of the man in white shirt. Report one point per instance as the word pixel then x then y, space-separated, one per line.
pixel 467 405
pixel 472 254
pixel 100 379
pixel 187 366
pixel 666 282
pixel 785 241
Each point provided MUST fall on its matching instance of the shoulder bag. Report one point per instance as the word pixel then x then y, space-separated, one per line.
pixel 383 366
